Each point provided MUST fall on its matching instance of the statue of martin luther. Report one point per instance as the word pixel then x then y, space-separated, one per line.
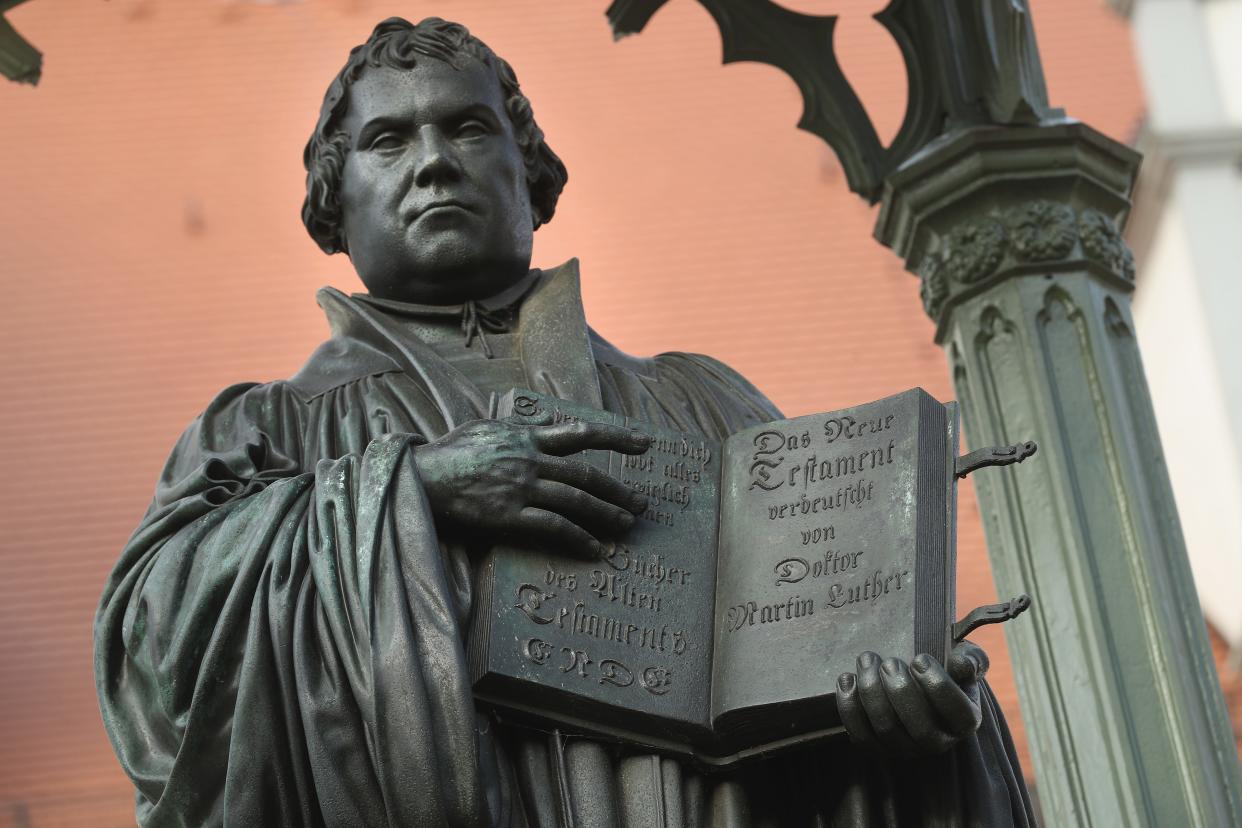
pixel 282 640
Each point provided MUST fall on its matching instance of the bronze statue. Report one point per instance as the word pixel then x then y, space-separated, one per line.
pixel 281 642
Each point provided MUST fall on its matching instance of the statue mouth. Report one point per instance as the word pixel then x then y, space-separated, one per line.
pixel 444 206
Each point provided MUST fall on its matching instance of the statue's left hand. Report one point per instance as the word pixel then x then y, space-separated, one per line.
pixel 911 710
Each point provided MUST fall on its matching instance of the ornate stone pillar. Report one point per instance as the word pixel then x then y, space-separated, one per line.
pixel 1015 233
pixel 1010 214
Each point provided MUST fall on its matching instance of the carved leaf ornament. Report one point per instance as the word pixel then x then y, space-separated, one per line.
pixel 1041 231
pixel 1035 232
pixel 1102 242
pixel 977 248
pixel 967 64
pixel 934 289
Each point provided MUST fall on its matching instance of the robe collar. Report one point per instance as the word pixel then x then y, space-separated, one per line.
pixel 512 296
pixel 554 345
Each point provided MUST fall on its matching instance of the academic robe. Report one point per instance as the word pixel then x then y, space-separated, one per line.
pixel 281 642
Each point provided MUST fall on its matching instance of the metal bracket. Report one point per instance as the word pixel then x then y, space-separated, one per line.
pixel 994 456
pixel 990 614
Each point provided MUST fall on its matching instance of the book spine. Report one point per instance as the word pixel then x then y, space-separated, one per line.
pixel 479 643
pixel 931 553
pixel 714 674
pixel 953 427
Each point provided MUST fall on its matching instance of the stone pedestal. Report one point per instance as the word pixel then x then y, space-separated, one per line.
pixel 1015 234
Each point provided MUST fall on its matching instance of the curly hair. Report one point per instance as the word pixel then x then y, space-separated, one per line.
pixel 395 44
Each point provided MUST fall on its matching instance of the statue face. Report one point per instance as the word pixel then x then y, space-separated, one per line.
pixel 434 196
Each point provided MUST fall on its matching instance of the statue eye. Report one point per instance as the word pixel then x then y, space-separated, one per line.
pixel 387 141
pixel 472 129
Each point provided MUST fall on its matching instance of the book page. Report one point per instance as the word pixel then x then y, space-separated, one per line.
pixel 817 550
pixel 632 631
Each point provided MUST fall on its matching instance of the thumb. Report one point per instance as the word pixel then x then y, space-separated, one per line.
pixel 967 663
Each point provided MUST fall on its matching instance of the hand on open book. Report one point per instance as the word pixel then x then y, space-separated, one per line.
pixel 510 481
pixel 919 709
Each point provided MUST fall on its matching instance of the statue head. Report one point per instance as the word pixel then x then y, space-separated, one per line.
pixel 427 167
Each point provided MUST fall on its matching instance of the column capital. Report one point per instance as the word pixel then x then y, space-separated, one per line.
pixel 986 204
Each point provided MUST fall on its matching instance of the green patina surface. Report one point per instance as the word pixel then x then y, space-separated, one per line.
pixel 1011 215
pixel 19 61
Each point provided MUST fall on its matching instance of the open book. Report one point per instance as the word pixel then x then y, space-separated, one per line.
pixel 761 569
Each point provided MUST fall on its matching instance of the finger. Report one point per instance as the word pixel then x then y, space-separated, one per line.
pixel 570 438
pixel 884 720
pixel 593 481
pixel 852 714
pixel 581 508
pixel 967 663
pixel 561 533
pixel 917 715
pixel 958 713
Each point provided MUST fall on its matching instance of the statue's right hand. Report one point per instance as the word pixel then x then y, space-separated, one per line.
pixel 506 481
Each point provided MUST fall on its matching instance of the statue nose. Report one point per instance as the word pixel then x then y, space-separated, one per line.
pixel 435 160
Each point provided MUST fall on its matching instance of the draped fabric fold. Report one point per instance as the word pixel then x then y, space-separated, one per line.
pixel 282 642
pixel 273 655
